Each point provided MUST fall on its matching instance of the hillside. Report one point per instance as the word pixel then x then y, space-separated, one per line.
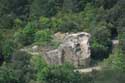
pixel 62 41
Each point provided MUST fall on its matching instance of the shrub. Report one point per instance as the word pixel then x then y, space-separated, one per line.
pixel 101 43
pixel 18 23
pixel 59 74
pixel 43 36
pixel 43 8
pixel 25 36
pixel 40 67
pixel 8 49
pixel 109 76
pixel 44 22
pixel 55 23
pixel 116 61
pixel 19 70
pixel 66 22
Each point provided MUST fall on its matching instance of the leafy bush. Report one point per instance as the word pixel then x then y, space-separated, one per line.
pixel 25 36
pixel 66 23
pixel 64 74
pixel 55 23
pixel 101 43
pixel 44 22
pixel 43 8
pixel 8 49
pixel 19 70
pixel 113 69
pixel 58 74
pixel 115 61
pixel 18 23
pixel 41 67
pixel 109 76
pixel 43 36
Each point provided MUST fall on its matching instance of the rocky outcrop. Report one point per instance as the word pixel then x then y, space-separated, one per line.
pixel 74 48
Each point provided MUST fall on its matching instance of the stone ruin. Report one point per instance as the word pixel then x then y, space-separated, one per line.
pixel 75 49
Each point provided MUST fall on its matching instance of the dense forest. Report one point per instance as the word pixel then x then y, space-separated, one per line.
pixel 34 22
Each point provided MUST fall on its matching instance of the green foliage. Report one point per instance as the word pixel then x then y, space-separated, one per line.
pixel 44 22
pixel 109 76
pixel 118 62
pixel 34 21
pixel 74 5
pixel 10 9
pixel 43 8
pixel 66 22
pixel 5 18
pixel 25 36
pixel 101 42
pixel 106 3
pixel 41 68
pixel 115 61
pixel 72 22
pixel 19 70
pixel 58 74
pixel 113 69
pixel 55 23
pixel 88 16
pixel 6 72
pixel 43 36
pixel 8 49
pixel 17 23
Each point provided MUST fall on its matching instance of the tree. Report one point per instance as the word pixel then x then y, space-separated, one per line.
pixel 43 37
pixel 58 74
pixel 43 8
pixel 75 5
pixel 11 9
pixel 106 3
pixel 8 49
pixel 101 41
pixel 19 70
pixel 7 74
pixel 41 68
pixel 26 36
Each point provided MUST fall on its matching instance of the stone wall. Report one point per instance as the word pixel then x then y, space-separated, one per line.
pixel 75 49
